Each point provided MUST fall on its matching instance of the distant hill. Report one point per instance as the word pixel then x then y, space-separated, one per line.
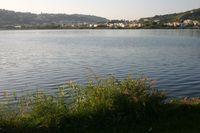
pixel 25 18
pixel 192 14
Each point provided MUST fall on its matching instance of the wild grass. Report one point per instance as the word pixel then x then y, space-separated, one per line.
pixel 102 105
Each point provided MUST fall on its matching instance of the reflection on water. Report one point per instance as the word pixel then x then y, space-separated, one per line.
pixel 48 58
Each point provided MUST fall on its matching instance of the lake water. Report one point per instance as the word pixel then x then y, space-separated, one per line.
pixel 35 59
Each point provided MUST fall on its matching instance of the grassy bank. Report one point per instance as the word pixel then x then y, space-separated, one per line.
pixel 102 105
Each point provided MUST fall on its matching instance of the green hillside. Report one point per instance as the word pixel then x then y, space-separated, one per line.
pixel 20 18
pixel 193 15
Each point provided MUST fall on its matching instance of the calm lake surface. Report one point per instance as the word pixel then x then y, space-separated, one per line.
pixel 35 59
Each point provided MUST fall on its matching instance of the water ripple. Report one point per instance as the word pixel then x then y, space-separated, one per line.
pixel 31 60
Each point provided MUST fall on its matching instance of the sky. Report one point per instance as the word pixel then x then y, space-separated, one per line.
pixel 111 9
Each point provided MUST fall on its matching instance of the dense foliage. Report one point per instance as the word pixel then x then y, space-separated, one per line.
pixel 102 105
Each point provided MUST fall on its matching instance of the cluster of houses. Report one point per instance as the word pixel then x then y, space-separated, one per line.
pixel 124 24
pixel 115 24
pixel 184 23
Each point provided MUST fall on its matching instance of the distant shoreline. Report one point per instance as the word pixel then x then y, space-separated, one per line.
pixel 103 29
pixel 11 20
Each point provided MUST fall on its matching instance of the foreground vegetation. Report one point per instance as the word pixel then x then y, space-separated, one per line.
pixel 102 105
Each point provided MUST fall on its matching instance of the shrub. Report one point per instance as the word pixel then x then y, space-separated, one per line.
pixel 106 104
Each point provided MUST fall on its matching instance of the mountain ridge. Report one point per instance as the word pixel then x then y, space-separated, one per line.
pixel 8 17
pixel 27 20
pixel 191 14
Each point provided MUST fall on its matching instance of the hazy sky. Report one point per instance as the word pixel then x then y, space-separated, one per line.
pixel 112 9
